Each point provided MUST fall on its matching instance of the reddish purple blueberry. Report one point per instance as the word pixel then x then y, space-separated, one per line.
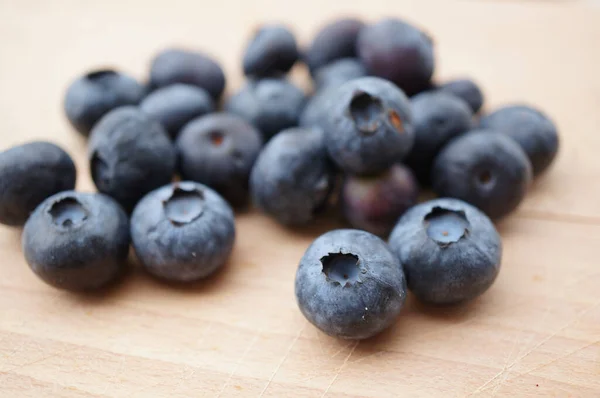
pixel 374 203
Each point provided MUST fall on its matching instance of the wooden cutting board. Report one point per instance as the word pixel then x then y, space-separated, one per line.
pixel 535 333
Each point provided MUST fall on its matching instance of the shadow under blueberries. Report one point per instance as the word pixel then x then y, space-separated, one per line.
pixel 106 293
pixel 456 313
pixel 208 285
pixel 388 336
pixel 376 345
pixel 326 221
pixel 452 313
pixel 244 209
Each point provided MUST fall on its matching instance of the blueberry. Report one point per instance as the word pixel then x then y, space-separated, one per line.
pixel 182 232
pixel 350 285
pixel 465 89
pixel 130 155
pixel 30 173
pixel 77 241
pixel 423 88
pixel 374 203
pixel 317 107
pixel 334 41
pixel 271 50
pixel 368 125
pixel 339 72
pixel 175 105
pixel 531 129
pixel 437 117
pixel 175 65
pixel 450 251
pixel 96 93
pixel 486 169
pixel 399 52
pixel 270 104
pixel 219 150
pixel 292 177
pixel 327 79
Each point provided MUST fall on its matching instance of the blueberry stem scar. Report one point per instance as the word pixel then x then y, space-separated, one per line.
pixel 366 111
pixel 445 226
pixel 217 138
pixel 67 212
pixel 485 177
pixel 184 205
pixel 341 268
pixel 396 121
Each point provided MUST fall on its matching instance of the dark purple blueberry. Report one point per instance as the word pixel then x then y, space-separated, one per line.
pixel 437 118
pixel 175 105
pixel 339 72
pixel 350 285
pixel 334 41
pixel 368 125
pixel 271 50
pixel 450 251
pixel 182 232
pixel 465 89
pixel 292 177
pixel 175 65
pixel 270 104
pixel 77 241
pixel 219 150
pixel 96 93
pixel 29 173
pixel 130 155
pixel 531 129
pixel 397 51
pixel 374 203
pixel 484 168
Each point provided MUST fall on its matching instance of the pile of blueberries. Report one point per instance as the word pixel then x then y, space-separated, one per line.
pixel 170 167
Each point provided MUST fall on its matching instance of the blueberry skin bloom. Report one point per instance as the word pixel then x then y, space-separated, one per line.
pixel 96 93
pixel 465 89
pixel 374 203
pixel 339 72
pixel 219 150
pixel 350 285
pixel 77 241
pixel 271 50
pixel 531 129
pixel 486 169
pixel 450 251
pixel 317 106
pixel 176 65
pixel 292 177
pixel 175 105
pixel 182 232
pixel 397 51
pixel 437 118
pixel 270 104
pixel 130 155
pixel 368 126
pixel 30 173
pixel 334 41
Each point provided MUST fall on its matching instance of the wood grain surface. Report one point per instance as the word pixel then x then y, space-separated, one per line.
pixel 536 332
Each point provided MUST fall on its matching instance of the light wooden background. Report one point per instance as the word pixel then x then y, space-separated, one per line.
pixel 536 332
